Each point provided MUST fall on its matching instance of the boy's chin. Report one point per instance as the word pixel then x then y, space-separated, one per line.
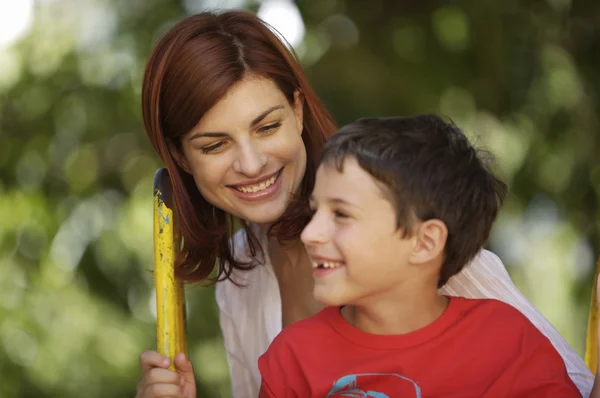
pixel 328 299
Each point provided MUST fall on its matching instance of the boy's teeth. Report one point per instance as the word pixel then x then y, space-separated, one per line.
pixel 258 187
pixel 326 265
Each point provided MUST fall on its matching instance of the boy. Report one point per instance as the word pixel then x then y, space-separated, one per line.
pixel 401 205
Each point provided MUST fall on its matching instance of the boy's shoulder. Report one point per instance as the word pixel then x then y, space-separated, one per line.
pixel 306 330
pixel 486 306
pixel 493 311
pixel 318 322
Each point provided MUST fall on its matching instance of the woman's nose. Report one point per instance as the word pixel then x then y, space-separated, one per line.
pixel 251 160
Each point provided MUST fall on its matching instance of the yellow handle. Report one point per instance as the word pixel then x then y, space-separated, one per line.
pixel 591 344
pixel 170 300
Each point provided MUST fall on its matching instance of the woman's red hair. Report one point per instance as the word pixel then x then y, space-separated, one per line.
pixel 190 69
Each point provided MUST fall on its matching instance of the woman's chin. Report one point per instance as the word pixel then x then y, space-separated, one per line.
pixel 265 214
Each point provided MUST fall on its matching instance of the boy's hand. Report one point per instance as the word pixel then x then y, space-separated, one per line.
pixel 159 382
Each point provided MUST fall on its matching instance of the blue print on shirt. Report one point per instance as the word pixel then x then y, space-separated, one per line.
pixel 387 384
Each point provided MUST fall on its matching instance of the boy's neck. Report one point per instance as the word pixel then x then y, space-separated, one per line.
pixel 397 315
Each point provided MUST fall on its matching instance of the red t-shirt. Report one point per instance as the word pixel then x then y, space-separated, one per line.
pixel 476 348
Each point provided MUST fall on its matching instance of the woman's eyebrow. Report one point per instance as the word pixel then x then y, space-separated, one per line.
pixel 211 135
pixel 253 123
pixel 263 115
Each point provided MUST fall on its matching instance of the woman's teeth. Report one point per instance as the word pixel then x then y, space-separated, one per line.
pixel 326 265
pixel 258 187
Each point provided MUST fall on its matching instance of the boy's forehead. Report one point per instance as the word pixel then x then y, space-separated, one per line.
pixel 349 178
pixel 346 177
pixel 331 169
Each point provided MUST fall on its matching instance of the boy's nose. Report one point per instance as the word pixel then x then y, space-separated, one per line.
pixel 316 232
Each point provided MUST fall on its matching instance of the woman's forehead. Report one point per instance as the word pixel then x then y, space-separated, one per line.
pixel 243 103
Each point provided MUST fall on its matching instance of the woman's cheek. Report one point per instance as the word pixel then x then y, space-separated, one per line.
pixel 211 171
pixel 287 145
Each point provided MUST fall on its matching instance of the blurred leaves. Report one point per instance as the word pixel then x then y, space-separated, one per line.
pixel 76 293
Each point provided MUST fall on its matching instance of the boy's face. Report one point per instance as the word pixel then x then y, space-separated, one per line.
pixel 357 251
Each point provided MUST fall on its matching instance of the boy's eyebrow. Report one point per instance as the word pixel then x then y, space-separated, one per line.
pixel 253 123
pixel 334 200
pixel 340 201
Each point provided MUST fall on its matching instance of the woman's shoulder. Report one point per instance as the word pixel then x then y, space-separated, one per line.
pixel 243 284
pixel 242 249
pixel 487 264
pixel 239 243
pixel 484 277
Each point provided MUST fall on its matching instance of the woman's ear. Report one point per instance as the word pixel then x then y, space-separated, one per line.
pixel 179 157
pixel 299 110
pixel 431 236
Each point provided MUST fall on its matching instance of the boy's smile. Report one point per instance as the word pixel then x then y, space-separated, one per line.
pixel 323 266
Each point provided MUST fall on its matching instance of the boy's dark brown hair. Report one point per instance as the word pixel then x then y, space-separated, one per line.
pixel 430 171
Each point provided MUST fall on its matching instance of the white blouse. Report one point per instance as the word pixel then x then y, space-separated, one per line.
pixel 250 316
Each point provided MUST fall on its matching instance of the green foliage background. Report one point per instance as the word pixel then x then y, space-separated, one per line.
pixel 76 169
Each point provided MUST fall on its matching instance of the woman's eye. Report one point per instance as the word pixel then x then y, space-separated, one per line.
pixel 210 148
pixel 270 127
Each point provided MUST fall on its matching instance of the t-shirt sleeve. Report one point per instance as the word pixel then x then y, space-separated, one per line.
pixel 539 371
pixel 265 391
pixel 272 366
pixel 280 373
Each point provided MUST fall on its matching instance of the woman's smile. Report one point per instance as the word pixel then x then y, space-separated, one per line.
pixel 260 189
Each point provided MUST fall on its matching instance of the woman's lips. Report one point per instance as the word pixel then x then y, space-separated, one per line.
pixel 263 190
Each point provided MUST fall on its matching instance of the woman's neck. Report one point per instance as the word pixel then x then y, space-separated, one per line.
pixel 293 271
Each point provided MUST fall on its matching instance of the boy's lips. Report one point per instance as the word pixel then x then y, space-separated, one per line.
pixel 319 262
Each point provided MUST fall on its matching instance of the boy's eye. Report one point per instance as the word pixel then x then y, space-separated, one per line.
pixel 340 214
pixel 210 148
pixel 270 128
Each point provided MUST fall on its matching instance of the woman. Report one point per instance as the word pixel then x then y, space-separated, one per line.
pixel 230 112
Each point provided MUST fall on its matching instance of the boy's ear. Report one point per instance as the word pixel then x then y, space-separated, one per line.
pixel 179 157
pixel 430 241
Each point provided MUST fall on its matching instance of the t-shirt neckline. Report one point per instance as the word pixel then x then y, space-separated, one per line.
pixel 426 333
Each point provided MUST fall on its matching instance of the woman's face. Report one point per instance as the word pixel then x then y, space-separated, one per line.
pixel 246 155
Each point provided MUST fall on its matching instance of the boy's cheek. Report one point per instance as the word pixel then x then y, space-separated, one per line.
pixel 329 293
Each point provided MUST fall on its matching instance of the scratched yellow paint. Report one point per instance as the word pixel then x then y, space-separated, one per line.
pixel 170 302
pixel 591 345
